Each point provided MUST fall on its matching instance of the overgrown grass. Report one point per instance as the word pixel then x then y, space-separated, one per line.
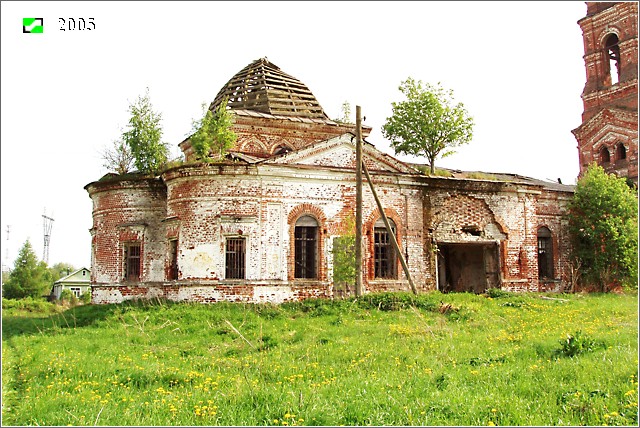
pixel 385 359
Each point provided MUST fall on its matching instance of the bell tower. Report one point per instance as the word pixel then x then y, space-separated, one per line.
pixel 608 134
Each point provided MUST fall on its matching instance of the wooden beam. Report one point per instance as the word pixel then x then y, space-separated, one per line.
pixel 358 201
pixel 389 230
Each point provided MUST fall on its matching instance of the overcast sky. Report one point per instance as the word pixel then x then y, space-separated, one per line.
pixel 517 67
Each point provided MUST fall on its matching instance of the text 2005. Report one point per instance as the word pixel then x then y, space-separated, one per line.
pixel 76 24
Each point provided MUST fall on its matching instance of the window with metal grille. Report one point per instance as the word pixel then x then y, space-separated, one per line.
pixel 173 260
pixel 384 255
pixel 306 248
pixel 235 258
pixel 132 262
pixel 545 254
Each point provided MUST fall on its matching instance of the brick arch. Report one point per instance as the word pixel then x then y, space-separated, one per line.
pixel 368 226
pixel 317 213
pixel 555 245
pixel 605 33
pixel 253 145
pixel 462 210
pixel 279 144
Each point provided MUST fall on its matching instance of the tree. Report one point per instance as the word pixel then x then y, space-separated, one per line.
pixel 29 278
pixel 60 270
pixel 603 225
pixel 144 136
pixel 118 158
pixel 346 114
pixel 344 256
pixel 428 122
pixel 212 134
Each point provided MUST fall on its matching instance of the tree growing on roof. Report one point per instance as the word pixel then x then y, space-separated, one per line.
pixel 144 136
pixel 603 226
pixel 428 123
pixel 118 158
pixel 212 134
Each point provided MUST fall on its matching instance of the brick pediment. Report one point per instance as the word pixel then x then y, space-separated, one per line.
pixel 340 152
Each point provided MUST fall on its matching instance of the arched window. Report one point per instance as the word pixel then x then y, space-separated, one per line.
pixel 306 248
pixel 384 255
pixel 605 157
pixel 621 152
pixel 612 56
pixel 545 254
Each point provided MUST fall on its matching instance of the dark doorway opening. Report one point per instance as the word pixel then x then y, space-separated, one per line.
pixel 468 267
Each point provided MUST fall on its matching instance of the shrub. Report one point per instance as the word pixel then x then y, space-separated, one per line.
pixel 576 344
pixel 496 293
pixel 68 296
pixel 29 304
pixel 86 297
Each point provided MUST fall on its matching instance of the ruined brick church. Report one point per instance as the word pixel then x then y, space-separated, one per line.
pixel 260 226
pixel 608 134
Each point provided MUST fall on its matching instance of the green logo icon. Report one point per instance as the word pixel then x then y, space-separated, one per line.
pixel 32 25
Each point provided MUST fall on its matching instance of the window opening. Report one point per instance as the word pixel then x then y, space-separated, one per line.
pixel 384 254
pixel 235 258
pixel 281 149
pixel 621 152
pixel 132 262
pixel 306 248
pixel 545 254
pixel 613 57
pixel 173 259
pixel 75 291
pixel 605 157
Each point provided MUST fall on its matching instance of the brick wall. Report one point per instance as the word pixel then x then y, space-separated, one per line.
pixel 610 114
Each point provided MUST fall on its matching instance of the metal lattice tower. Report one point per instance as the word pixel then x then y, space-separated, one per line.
pixel 47 222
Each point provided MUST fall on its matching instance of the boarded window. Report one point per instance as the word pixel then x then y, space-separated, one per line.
pixel 384 255
pixel 132 267
pixel 545 254
pixel 306 248
pixel 235 258
pixel 173 260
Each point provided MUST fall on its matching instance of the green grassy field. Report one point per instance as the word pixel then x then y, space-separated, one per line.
pixel 388 359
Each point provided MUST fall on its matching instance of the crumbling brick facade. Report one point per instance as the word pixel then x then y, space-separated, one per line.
pixel 608 134
pixel 261 225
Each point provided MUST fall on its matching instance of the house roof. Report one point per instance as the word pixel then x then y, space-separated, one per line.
pixel 262 87
pixel 66 278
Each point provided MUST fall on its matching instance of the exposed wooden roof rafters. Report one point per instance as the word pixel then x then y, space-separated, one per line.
pixel 262 87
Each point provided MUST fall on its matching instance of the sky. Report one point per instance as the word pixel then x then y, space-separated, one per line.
pixel 516 66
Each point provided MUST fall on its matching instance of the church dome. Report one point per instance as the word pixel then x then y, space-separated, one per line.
pixel 262 87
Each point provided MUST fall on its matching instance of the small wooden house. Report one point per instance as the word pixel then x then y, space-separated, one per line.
pixel 78 282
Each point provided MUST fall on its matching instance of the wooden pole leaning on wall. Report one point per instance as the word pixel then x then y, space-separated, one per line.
pixel 358 202
pixel 390 231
